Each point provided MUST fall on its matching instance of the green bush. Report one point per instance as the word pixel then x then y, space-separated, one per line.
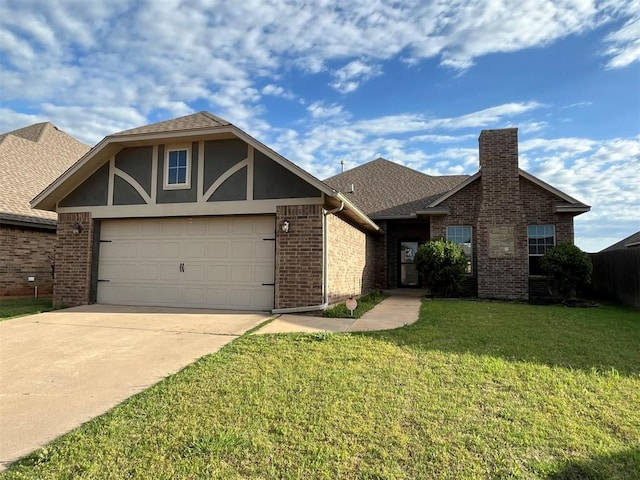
pixel 566 268
pixel 443 266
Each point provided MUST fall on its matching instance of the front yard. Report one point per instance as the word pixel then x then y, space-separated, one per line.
pixel 16 307
pixel 473 390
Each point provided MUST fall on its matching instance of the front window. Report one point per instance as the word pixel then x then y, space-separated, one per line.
pixel 463 237
pixel 177 169
pixel 540 238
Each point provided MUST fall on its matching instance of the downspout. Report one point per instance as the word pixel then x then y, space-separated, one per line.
pixel 325 269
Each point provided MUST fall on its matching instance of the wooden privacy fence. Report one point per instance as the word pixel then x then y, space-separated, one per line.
pixel 616 275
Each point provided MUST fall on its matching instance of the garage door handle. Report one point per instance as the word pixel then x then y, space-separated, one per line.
pixel 268 284
pixel 181 268
pixel 104 280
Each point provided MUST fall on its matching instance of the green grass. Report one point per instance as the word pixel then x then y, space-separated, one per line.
pixel 473 390
pixel 17 307
pixel 365 303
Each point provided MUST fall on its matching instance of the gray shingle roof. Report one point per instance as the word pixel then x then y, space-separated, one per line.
pixel 624 243
pixel 383 188
pixel 30 159
pixel 188 122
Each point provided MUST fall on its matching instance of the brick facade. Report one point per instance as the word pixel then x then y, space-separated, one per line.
pixel 299 256
pixel 351 260
pixel 26 252
pixel 73 260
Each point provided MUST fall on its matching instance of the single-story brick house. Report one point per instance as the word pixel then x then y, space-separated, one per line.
pixel 30 159
pixel 194 212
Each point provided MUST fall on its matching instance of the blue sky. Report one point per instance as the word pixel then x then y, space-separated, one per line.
pixel 324 81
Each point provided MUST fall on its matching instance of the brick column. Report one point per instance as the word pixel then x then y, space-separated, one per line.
pixel 299 259
pixel 73 260
pixel 501 228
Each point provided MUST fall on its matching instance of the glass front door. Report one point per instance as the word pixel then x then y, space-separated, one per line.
pixel 408 270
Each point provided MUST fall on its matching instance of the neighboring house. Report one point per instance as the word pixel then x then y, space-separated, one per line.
pixel 194 212
pixel 632 241
pixel 30 159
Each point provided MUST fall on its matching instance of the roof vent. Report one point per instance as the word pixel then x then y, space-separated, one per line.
pixel 352 189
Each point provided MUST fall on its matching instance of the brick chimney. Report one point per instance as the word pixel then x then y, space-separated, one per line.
pixel 501 227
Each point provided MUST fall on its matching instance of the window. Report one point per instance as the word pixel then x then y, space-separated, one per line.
pixel 177 174
pixel 463 236
pixel 540 238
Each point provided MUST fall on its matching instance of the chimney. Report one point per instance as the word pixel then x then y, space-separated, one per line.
pixel 499 162
pixel 502 225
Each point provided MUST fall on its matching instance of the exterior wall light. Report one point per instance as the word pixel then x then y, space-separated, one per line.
pixel 76 228
pixel 285 226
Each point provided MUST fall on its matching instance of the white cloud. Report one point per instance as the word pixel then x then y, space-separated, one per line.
pixel 348 78
pixel 624 46
pixel 319 110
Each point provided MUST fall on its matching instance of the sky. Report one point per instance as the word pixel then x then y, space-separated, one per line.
pixel 328 81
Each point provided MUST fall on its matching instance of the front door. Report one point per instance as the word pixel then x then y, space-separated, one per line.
pixel 408 270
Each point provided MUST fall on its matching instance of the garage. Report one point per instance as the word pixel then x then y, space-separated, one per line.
pixel 195 262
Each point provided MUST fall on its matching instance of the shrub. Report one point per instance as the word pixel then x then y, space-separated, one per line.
pixel 442 265
pixel 566 268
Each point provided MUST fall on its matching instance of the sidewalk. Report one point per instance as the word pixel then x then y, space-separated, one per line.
pixel 395 311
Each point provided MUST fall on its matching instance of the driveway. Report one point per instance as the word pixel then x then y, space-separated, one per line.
pixel 62 368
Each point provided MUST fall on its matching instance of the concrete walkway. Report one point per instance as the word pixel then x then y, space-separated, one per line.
pixel 401 308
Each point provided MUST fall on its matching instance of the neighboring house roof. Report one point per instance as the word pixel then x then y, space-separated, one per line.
pixel 384 189
pixel 30 159
pixel 631 241
pixel 189 127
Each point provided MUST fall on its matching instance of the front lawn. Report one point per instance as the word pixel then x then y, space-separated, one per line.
pixel 473 390
pixel 17 307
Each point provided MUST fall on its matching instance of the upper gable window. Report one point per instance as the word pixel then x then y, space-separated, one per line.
pixel 177 171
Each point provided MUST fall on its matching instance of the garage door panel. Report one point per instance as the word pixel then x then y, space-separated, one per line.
pixel 148 249
pixel 242 273
pixel 218 227
pixel 169 250
pixel 217 250
pixel 242 249
pixel 217 273
pixel 194 273
pixel 195 249
pixel 264 250
pixel 225 261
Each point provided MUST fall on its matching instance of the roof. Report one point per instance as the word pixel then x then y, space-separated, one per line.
pixel 195 126
pixel 30 159
pixel 632 240
pixel 382 188
pixel 188 122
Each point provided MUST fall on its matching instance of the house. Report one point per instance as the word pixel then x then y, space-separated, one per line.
pixel 30 159
pixel 632 241
pixel 194 212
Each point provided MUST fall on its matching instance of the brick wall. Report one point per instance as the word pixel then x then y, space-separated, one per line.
pixel 26 252
pixel 351 262
pixel 299 256
pixel 463 212
pixel 380 253
pixel 73 260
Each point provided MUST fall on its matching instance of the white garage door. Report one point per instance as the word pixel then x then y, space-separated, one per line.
pixel 199 262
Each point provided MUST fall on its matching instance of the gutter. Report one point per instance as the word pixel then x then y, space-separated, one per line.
pixel 325 270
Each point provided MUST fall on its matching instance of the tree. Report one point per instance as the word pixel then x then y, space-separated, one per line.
pixel 566 268
pixel 443 266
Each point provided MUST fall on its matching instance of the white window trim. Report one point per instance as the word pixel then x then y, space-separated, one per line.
pixel 555 242
pixel 177 186
pixel 446 231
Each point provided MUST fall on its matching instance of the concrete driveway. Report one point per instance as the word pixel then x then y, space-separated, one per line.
pixel 62 368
